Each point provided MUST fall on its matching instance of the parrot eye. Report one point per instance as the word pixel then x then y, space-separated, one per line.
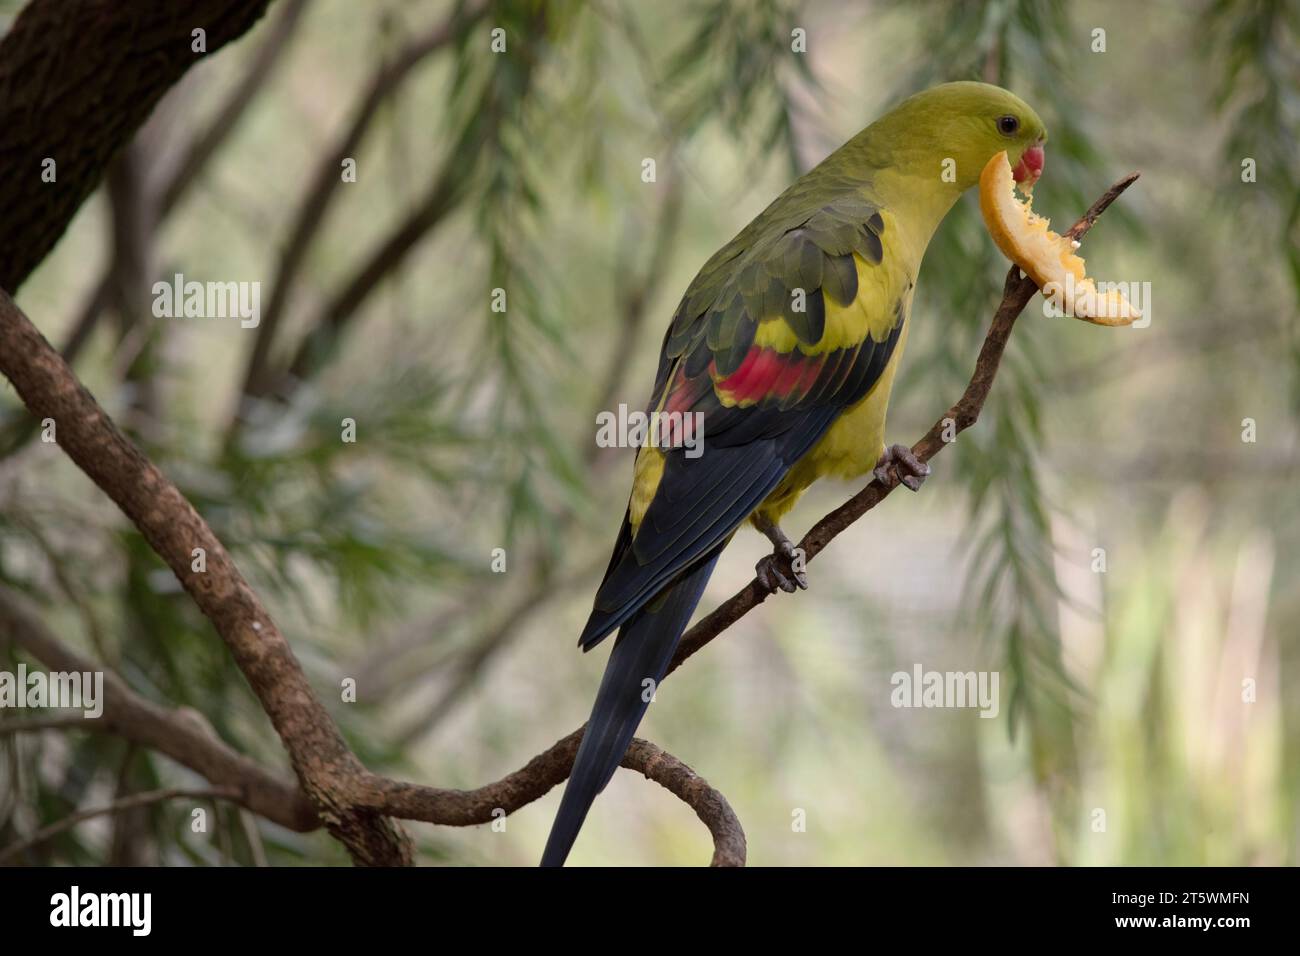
pixel 1007 125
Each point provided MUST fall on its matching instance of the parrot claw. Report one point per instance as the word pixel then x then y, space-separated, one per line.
pixel 783 569
pixel 899 465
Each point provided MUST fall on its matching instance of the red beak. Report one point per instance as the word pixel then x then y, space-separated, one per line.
pixel 1030 166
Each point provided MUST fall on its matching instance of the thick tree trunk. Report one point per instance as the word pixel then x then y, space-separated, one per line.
pixel 77 78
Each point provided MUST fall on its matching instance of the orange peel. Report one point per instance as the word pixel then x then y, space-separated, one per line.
pixel 1047 258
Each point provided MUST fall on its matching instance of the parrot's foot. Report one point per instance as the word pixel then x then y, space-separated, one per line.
pixel 778 570
pixel 784 567
pixel 899 465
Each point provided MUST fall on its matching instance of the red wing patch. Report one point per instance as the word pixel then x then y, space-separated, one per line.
pixel 766 373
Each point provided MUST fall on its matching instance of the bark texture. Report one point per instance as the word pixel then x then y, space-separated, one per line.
pixel 174 530
pixel 77 78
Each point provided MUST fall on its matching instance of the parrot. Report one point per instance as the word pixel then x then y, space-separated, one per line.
pixel 784 347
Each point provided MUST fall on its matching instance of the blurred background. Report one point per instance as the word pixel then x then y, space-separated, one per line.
pixel 1143 680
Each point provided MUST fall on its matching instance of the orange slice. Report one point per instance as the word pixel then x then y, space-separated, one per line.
pixel 1048 259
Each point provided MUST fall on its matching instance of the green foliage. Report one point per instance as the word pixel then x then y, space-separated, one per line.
pixel 736 69
pixel 1257 48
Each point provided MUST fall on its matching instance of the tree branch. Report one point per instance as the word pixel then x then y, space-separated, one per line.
pixel 35 724
pixel 344 794
pixel 208 141
pixel 318 344
pixel 461 808
pixel 710 805
pixel 316 198
pixel 183 735
pixel 172 527
pixel 136 800
pixel 632 300
pixel 77 77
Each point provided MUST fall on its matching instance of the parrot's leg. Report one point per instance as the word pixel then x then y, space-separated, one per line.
pixel 899 464
pixel 783 568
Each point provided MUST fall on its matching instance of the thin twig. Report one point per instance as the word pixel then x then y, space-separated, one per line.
pixel 145 799
pixel 633 302
pixel 36 724
pixel 467 664
pixel 438 200
pixel 180 734
pixel 316 198
pixel 72 591
pixel 208 141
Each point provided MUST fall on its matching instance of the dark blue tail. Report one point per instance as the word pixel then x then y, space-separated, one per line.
pixel 643 649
